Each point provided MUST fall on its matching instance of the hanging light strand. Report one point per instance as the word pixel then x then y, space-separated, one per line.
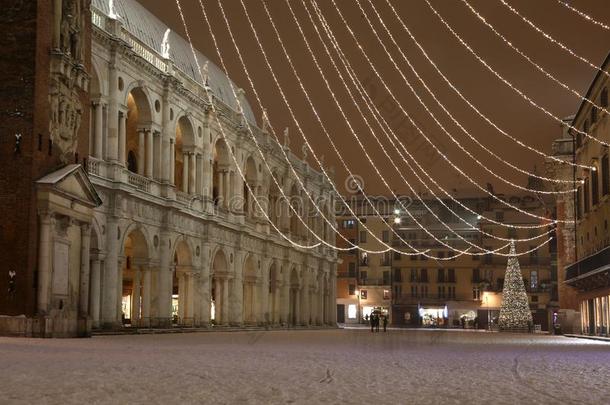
pixel 391 93
pixel 583 15
pixel 369 103
pixel 389 248
pixel 530 61
pixel 508 83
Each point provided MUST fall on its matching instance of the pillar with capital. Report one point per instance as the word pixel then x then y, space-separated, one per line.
pixel 122 137
pixel 85 272
pixel 141 151
pixel 165 282
pixel 110 282
pixel 171 162
pixel 95 285
pixel 185 172
pixel 98 137
pixel 192 169
pixel 146 296
pixel 112 149
pixel 149 154
pixel 47 222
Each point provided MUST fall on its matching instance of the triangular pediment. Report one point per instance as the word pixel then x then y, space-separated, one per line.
pixel 73 182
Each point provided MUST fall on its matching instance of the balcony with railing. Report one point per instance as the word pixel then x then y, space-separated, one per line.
pixel 591 271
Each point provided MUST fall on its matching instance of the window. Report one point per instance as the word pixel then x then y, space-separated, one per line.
pixel 476 294
pixel 348 223
pixel 385 261
pixel 386 277
pixel 363 275
pixel 424 291
pixel 353 243
pixel 424 275
pixel 451 291
pixel 534 279
pixel 364 259
pixel 397 275
pixel 422 257
pixel 414 291
pixel 441 291
pixel 440 277
pixel 413 275
pixel 603 99
pixel 413 257
pixel 605 175
pixel 362 236
pixel 594 187
pixel 363 294
pixel 451 275
pixel 385 236
pixel 351 269
pixel 386 294
pixel 476 276
pixel 352 289
pixel 500 216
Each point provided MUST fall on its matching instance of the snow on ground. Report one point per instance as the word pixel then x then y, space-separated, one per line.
pixel 323 366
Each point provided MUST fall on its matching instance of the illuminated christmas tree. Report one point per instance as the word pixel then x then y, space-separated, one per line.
pixel 515 312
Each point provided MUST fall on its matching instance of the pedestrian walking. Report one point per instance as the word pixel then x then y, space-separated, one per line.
pixel 377 320
pixel 385 323
pixel 372 322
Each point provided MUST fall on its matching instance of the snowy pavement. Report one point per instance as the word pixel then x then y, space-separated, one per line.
pixel 318 366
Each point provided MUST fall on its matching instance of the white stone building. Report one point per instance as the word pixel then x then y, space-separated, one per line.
pixel 178 238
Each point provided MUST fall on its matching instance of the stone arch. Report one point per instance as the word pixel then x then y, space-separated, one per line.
pixel 185 164
pixel 219 273
pixel 183 283
pixel 251 285
pixel 137 129
pixel 296 201
pixel 136 284
pixel 221 173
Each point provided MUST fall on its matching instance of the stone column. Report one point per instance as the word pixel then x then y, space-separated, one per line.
pixel 149 154
pixel 119 301
pixel 85 273
pixel 181 296
pixel 217 301
pixel 190 297
pixel 256 305
pixel 191 182
pixel 146 297
pixel 221 199
pixel 204 285
pixel 98 132
pixel 122 137
pixel 185 172
pixel 141 151
pixel 136 294
pixel 44 262
pixel 199 175
pixel 165 282
pixel 112 146
pixel 225 301
pixel 172 162
pixel 297 306
pixel 109 293
pixel 207 175
pixel 94 296
pixel 158 155
pixel 333 294
pixel 166 160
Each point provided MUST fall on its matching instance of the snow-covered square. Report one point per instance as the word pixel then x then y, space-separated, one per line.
pixel 315 366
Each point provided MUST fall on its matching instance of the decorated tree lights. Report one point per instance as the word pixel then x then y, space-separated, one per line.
pixel 515 314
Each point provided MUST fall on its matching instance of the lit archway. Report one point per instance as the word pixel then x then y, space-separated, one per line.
pixel 185 164
pixel 183 286
pixel 219 308
pixel 136 281
pixel 138 133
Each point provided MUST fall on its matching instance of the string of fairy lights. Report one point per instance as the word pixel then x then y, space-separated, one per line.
pixel 379 118
pixel 326 81
pixel 461 95
pixel 417 127
pixel 388 248
pixel 386 128
pixel 304 90
pixel 531 62
pixel 583 15
pixel 508 83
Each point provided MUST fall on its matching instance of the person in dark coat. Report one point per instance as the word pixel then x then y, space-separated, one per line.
pixel 372 322
pixel 385 323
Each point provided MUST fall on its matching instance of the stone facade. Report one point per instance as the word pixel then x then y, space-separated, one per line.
pixel 173 234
